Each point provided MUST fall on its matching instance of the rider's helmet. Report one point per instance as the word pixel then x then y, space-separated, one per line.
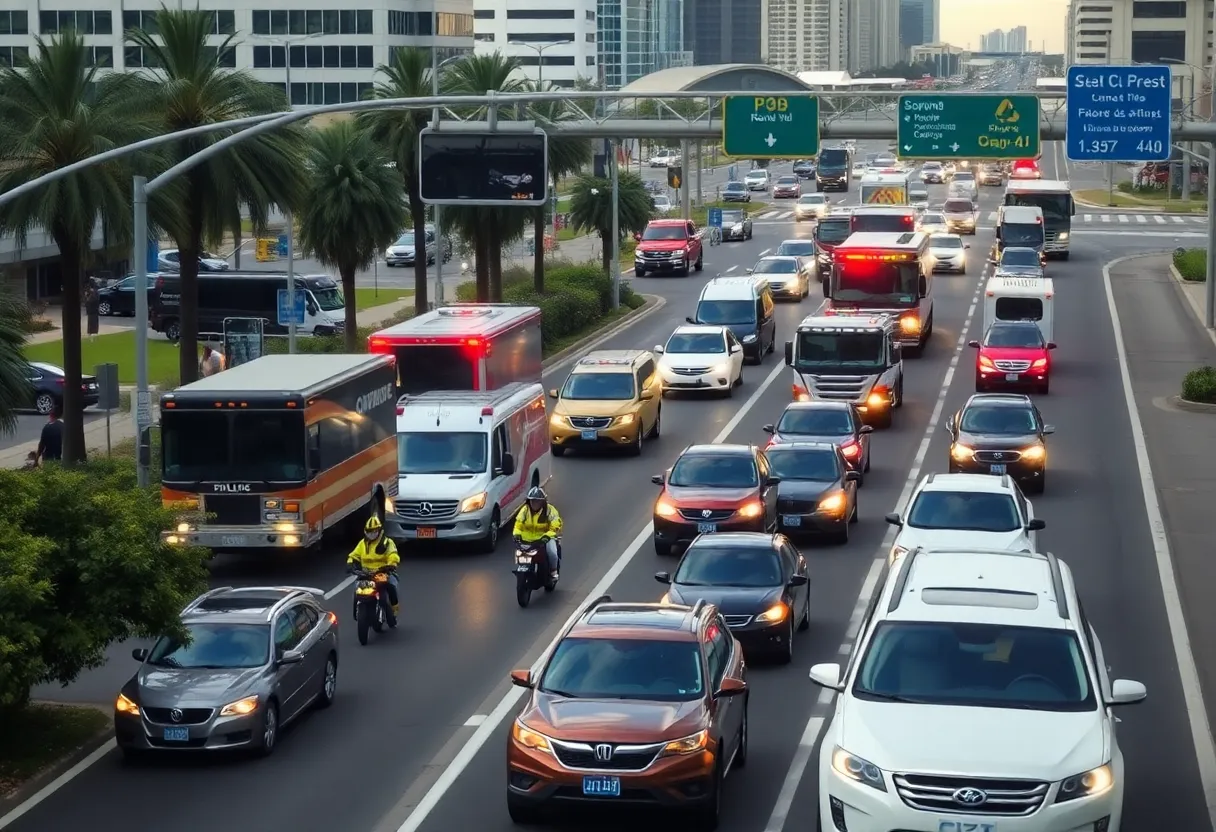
pixel 373 529
pixel 538 500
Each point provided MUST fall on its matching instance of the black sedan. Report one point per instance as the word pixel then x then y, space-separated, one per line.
pixel 758 581
pixel 804 169
pixel 818 495
pixel 736 192
pixel 118 299
pixel 46 382
pixel 1000 433
pixel 736 225
pixel 787 187
pixel 836 423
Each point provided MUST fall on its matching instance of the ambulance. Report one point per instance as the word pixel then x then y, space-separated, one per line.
pixel 884 189
pixel 1008 298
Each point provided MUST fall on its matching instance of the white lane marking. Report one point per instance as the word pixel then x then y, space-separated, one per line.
pixel 338 589
pixel 1160 219
pixel 474 720
pixel 452 771
pixel 765 252
pixel 1188 673
pixel 731 269
pixel 56 784
pixel 814 726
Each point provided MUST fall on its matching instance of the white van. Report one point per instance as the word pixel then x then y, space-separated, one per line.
pixel 1021 299
pixel 466 460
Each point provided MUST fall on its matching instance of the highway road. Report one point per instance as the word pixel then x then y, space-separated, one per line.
pixel 415 741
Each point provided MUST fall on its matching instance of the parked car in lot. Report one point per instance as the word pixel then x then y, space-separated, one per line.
pixel 46 387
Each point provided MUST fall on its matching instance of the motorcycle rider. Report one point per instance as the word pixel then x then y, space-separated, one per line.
pixel 538 520
pixel 376 552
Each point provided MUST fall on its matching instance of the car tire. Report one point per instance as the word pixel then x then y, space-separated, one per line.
pixel 740 760
pixel 557 450
pixel 638 272
pixel 1039 485
pixel 855 516
pixel 329 683
pixel 521 813
pixel 1044 388
pixel 658 424
pixel 173 331
pixel 133 756
pixel 635 449
pixel 662 549
pixel 866 467
pixel 805 623
pixel 706 817
pixel 686 269
pixel 44 403
pixel 786 656
pixel 268 741
pixel 104 309
pixel 489 541
pixel 700 264
pixel 842 537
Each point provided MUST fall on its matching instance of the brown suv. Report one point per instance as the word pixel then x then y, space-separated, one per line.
pixel 636 704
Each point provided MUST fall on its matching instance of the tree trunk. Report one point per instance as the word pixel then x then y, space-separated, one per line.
pixel 352 320
pixel 418 214
pixel 481 259
pixel 538 258
pixel 495 251
pixel 606 252
pixel 189 251
pixel 73 406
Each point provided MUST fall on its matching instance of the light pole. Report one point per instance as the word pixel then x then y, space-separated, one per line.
pixel 437 65
pixel 539 49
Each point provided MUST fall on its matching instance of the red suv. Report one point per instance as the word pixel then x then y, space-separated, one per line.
pixel 1013 354
pixel 714 488
pixel 668 246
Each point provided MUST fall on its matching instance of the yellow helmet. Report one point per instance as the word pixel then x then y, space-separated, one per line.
pixel 373 526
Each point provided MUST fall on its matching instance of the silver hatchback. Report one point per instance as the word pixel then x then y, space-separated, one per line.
pixel 256 658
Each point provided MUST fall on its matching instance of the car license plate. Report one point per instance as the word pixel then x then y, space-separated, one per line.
pixel 964 826
pixel 791 520
pixel 707 528
pixel 235 540
pixel 601 785
pixel 177 734
pixel 996 469
pixel 426 531
pixel 590 435
pixel 1011 376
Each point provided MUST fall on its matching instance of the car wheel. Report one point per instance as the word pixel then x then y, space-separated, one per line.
pixel 173 331
pixel 1039 485
pixel 739 380
pixel 639 272
pixel 270 730
pixel 700 264
pixel 104 309
pixel 866 468
pixel 661 548
pixel 635 449
pixel 489 542
pixel 522 814
pixel 1044 388
pixel 44 403
pixel 842 536
pixel 557 450
pixel 658 424
pixel 805 623
pixel 705 818
pixel 854 518
pixel 686 269
pixel 787 655
pixel 329 683
pixel 740 760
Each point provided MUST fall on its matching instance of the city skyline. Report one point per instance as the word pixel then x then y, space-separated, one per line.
pixel 1043 19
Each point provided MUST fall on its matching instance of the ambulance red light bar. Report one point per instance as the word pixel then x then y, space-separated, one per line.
pixel 880 256
pixel 386 342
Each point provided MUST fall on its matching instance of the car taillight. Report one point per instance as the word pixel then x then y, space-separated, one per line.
pixel 850 449
pixel 59 381
pixel 1039 363
pixel 800 394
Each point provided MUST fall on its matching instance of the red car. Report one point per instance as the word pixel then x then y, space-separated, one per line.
pixel 787 187
pixel 1013 354
pixel 1026 169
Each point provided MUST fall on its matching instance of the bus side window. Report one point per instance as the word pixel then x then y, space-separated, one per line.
pixel 338 440
pixel 502 447
pixel 314 450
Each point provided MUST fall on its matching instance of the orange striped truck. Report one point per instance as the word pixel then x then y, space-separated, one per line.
pixel 274 453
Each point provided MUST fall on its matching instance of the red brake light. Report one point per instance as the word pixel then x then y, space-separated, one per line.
pixel 850 449
pixel 400 411
pixel 160 283
pixel 487 411
pixel 377 343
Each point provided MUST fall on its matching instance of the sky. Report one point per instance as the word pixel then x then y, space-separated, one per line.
pixel 963 21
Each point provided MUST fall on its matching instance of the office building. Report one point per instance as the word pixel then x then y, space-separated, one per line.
pixel 638 37
pixel 806 35
pixel 919 22
pixel 873 35
pixel 329 52
pixel 943 59
pixel 994 41
pixel 1012 40
pixel 724 31
pixel 554 41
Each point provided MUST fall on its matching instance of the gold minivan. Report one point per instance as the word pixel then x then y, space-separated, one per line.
pixel 611 399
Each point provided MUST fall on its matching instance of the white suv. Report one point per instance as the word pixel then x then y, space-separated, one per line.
pixel 976 699
pixel 951 510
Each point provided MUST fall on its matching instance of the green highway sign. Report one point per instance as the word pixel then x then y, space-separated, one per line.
pixel 968 127
pixel 769 127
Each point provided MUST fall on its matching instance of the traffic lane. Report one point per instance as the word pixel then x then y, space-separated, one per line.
pixel 1094 511
pixel 781 699
pixel 454 625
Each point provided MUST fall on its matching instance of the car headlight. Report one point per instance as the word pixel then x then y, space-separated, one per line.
pixel 856 769
pixel 961 453
pixel 557 421
pixel 528 738
pixel 898 552
pixel 1063 235
pixel 719 368
pixel 1087 784
pixel 125 705
pixel 475 503
pixel 1034 453
pixel 737 228
pixel 749 510
pixel 626 419
pixel 749 339
pixel 774 614
pixel 241 707
pixel 687 745
pixel 832 504
pixel 665 509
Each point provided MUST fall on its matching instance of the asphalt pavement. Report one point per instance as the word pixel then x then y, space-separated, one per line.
pixel 421 714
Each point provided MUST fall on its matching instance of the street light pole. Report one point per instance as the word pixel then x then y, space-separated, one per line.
pixel 436 65
pixel 540 55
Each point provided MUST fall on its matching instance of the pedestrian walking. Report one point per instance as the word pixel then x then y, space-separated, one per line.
pixel 92 308
pixel 50 444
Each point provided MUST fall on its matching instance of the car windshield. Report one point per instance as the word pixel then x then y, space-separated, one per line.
pixel 816 464
pixel 726 312
pixel 958 206
pixel 1020 257
pixel 734 186
pixel 788 180
pixel 731 217
pixel 968 511
pixel 931 166
pixel 932 219
pixel 1017 421
pixel 661 200
pixel 714 471
pixel 757 174
pixel 683 343
pixel 947 242
pixel 665 232
pixel 599 387
pixel 214 646
pixel 979 665
pixel 833 231
pixel 821 350
pixel 813 199
pixel 624 668
pixel 441 453
pixel 406 239
pixel 801 248
pixel 776 265
pixel 718 565
pixel 328 298
pixel 816 421
pixel 1013 336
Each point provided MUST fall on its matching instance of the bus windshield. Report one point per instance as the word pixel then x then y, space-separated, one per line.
pixel 876 280
pixel 833 159
pixel 832 231
pixel 819 351
pixel 228 446
pixel 1056 207
pixel 883 223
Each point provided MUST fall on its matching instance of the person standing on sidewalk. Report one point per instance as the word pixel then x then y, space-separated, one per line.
pixel 92 308
pixel 50 444
pixel 211 363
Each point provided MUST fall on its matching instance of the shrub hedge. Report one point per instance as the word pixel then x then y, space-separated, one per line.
pixel 1199 385
pixel 1191 263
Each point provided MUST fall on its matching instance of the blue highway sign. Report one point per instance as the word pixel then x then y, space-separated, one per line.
pixel 714 217
pixel 285 310
pixel 1119 113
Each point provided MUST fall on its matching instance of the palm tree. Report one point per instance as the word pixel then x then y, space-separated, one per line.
pixel 354 207
pixel 191 88
pixel 591 208
pixel 408 75
pixel 54 112
pixel 14 382
pixel 567 155
pixel 490 229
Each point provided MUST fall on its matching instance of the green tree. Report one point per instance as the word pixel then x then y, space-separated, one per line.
pixel 354 206
pixel 82 566
pixel 591 208
pixel 54 112
pixel 567 155
pixel 191 88
pixel 14 383
pixel 408 75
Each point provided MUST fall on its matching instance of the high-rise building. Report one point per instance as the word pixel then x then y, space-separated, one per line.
pixel 723 31
pixel 1015 39
pixel 806 35
pixel 638 37
pixel 919 22
pixel 554 41
pixel 873 35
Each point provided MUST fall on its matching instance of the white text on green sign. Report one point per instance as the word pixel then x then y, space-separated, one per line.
pixel 983 126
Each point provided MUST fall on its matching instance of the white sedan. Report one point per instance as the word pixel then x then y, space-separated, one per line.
pixel 932 222
pixel 949 253
pixel 701 358
pixel 811 207
pixel 860 169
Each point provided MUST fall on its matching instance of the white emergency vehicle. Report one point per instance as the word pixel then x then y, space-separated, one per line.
pixel 1021 299
pixel 466 460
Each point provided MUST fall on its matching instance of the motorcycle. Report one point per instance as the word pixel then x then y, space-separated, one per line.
pixel 373 611
pixel 531 571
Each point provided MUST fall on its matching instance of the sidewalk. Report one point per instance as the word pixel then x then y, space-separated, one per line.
pixel 1165 338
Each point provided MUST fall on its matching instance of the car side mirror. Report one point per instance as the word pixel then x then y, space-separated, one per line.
pixel 852 476
pixel 750 271
pixel 663 577
pixel 647 395
pixel 690 319
pixel 658 350
pixel 1051 345
pixel 140 654
pixel 1036 525
pixel 894 519
pixel 1126 692
pixel 508 465
pixel 773 481
pixel 291 657
pixel 553 393
pixel 657 479
pixel 770 428
pixel 866 429
pixel 948 427
pixel 966 245
pixel 797 580
pixel 735 349
pixel 827 676
pixel 922 286
pixel 789 353
pixel 1048 430
pixel 731 687
pixel 973 344
pixel 521 678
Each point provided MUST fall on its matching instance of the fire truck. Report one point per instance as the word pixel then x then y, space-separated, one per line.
pixel 884 273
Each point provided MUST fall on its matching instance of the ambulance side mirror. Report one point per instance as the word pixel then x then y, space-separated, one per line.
pixel 508 465
pixel 922 286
